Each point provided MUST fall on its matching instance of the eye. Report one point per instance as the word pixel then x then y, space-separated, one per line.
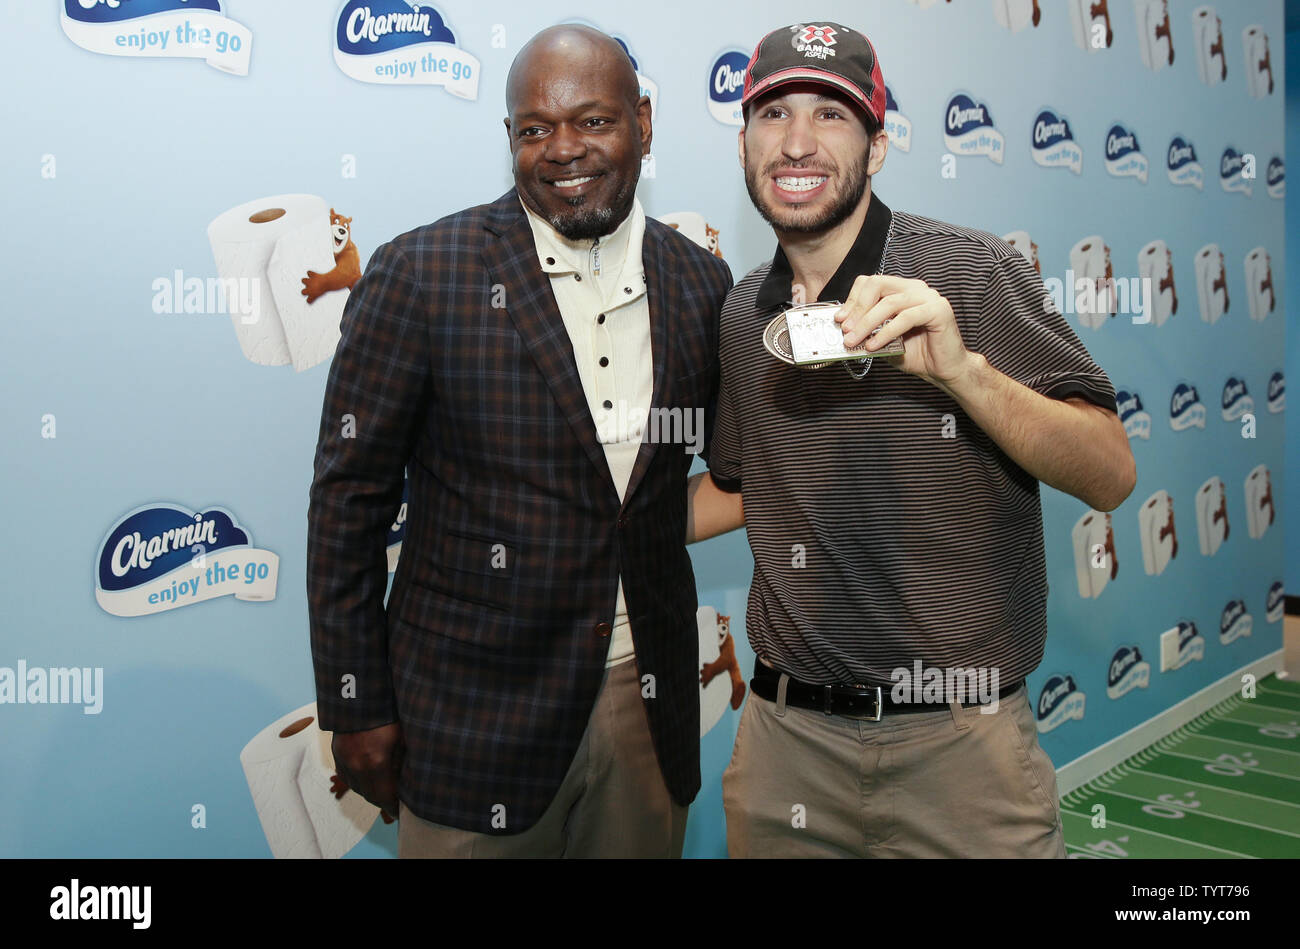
pixel 531 132
pixel 773 112
pixel 597 122
pixel 831 114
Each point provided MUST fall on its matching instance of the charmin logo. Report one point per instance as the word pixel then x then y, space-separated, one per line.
pixel 1232 167
pixel 397 531
pixel 1182 165
pixel 1185 408
pixel 1124 158
pixel 1190 645
pixel 1275 602
pixel 1236 400
pixel 897 124
pixel 1234 622
pixel 1052 143
pixel 60 685
pixel 392 42
pixel 184 29
pixel 1136 419
pixel 161 556
pixel 1276 393
pixel 968 129
pixel 102 902
pixel 1128 671
pixel 1275 178
pixel 1058 702
pixel 726 85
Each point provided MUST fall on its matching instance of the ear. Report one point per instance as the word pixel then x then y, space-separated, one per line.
pixel 740 145
pixel 879 148
pixel 644 120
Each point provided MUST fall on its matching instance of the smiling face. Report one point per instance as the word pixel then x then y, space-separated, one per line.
pixel 578 128
pixel 807 155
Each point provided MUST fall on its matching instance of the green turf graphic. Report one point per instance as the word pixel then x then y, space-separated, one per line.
pixel 1226 785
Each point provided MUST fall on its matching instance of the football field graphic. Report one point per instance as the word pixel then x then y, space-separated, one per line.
pixel 1225 785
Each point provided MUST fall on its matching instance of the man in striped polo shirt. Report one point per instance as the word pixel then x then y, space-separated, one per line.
pixel 893 514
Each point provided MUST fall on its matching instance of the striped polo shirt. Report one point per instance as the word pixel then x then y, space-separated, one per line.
pixel 887 527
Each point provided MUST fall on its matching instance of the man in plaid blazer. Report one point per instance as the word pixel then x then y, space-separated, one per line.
pixel 483 696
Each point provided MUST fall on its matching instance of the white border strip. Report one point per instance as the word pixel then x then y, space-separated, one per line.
pixel 1101 759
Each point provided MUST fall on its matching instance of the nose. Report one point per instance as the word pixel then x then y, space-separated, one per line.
pixel 565 144
pixel 800 138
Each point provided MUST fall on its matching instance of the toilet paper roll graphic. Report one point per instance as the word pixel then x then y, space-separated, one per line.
pixel 1211 283
pixel 1259 284
pixel 1022 242
pixel 1156 266
pixel 1259 63
pixel 1211 516
pixel 1259 501
pixel 1089 18
pixel 1155 41
pixel 1090 261
pixel 289 766
pixel 1207 36
pixel 1159 537
pixel 1015 15
pixel 1094 553
pixel 275 241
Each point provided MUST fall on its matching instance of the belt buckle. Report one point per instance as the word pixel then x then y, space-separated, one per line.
pixel 828 703
pixel 879 704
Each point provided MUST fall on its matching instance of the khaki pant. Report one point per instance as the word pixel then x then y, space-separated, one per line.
pixel 612 802
pixel 948 783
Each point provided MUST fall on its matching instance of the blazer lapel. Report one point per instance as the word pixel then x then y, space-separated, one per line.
pixel 511 261
pixel 662 293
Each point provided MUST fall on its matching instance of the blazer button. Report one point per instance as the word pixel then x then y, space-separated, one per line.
pixel 622 520
pixel 603 629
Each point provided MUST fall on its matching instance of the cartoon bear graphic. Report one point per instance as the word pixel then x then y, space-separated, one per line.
pixel 347 262
pixel 726 662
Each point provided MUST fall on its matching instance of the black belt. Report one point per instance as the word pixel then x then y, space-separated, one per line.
pixel 867 701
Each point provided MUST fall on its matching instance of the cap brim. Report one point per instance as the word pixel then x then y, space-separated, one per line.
pixel 807 74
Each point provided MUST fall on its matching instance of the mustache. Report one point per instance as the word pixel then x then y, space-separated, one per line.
pixel 773 167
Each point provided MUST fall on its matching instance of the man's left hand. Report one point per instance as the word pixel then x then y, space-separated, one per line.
pixel 916 314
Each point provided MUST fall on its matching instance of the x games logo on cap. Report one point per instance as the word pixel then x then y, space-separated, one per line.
pixel 824 34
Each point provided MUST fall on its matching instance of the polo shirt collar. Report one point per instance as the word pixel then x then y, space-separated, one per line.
pixel 864 257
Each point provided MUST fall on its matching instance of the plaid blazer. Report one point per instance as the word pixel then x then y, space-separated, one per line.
pixel 456 367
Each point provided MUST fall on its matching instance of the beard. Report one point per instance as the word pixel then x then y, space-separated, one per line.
pixel 843 200
pixel 585 222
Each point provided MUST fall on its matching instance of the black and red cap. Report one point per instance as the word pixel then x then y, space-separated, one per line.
pixel 821 52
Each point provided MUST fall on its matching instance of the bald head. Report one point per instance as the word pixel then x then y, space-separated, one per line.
pixel 573 53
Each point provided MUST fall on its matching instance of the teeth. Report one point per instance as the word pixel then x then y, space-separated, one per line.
pixel 574 182
pixel 801 183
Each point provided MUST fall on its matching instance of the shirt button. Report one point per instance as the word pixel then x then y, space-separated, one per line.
pixel 608 404
pixel 550 261
pixel 627 289
pixel 577 277
pixel 603 629
pixel 604 361
pixel 601 318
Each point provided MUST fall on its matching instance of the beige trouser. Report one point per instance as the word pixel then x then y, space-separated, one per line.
pixel 948 783
pixel 612 802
